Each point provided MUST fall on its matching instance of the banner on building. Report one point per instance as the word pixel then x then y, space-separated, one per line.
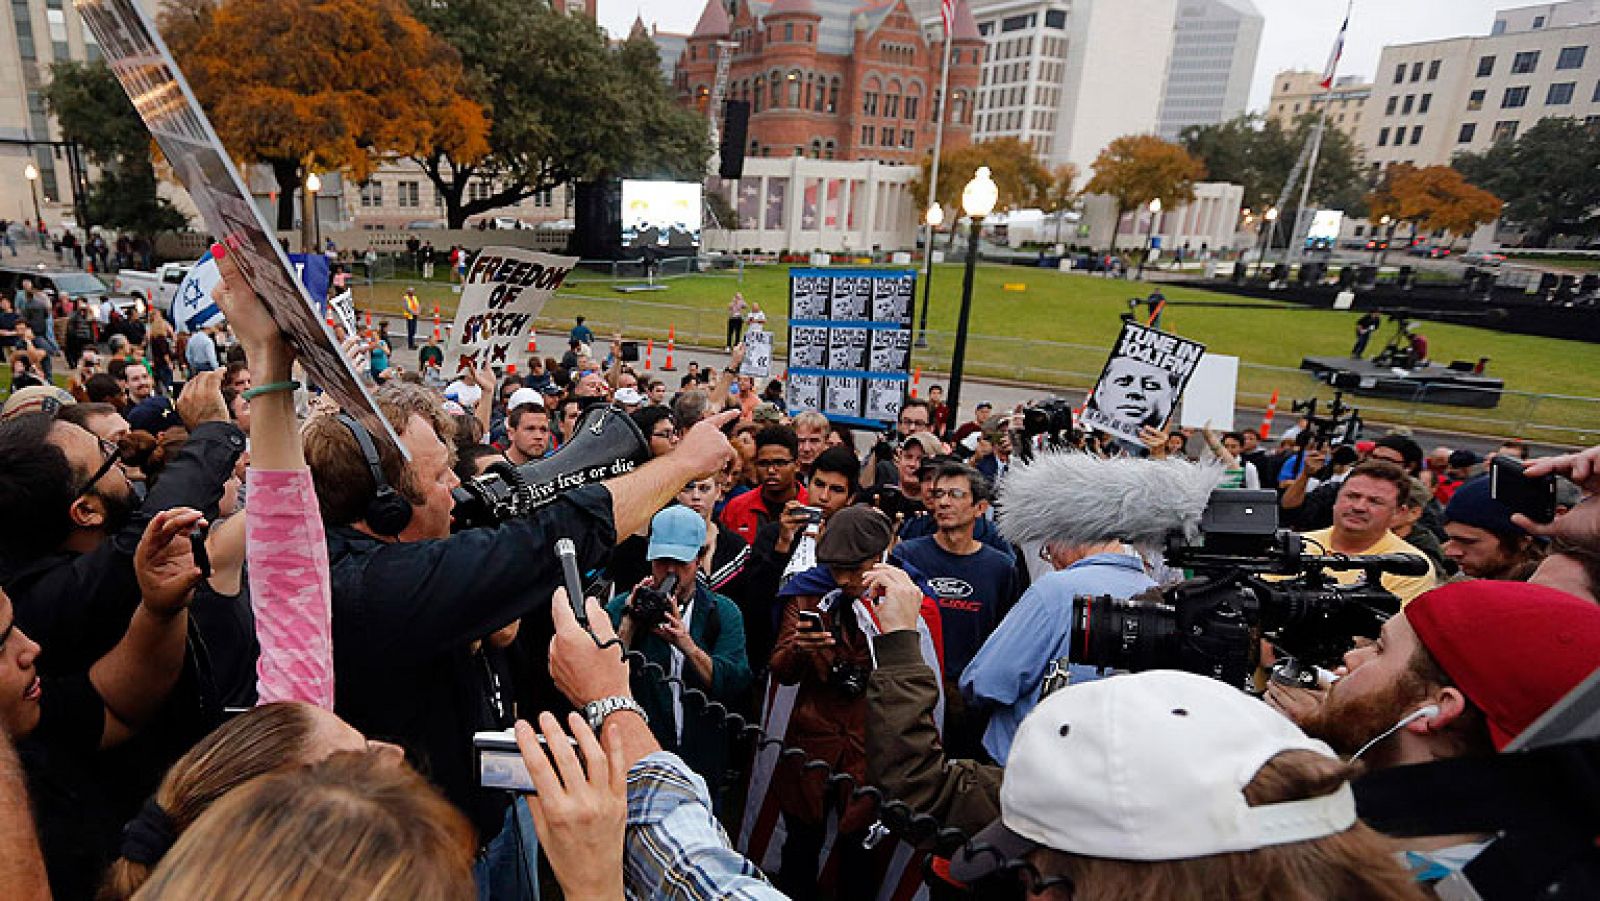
pixel 503 293
pixel 150 77
pixel 1141 382
pixel 850 343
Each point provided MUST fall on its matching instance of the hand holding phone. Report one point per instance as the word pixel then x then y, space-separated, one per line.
pixel 811 621
pixel 1533 497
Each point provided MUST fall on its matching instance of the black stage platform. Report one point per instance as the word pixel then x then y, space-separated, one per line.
pixel 1431 384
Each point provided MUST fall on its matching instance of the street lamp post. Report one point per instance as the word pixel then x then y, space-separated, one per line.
pixel 934 218
pixel 978 200
pixel 1388 225
pixel 1155 211
pixel 31 173
pixel 311 230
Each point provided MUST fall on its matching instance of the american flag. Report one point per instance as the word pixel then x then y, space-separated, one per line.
pixel 947 9
pixel 1333 58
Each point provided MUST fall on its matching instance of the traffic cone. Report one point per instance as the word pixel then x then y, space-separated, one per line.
pixel 672 336
pixel 369 320
pixel 436 328
pixel 649 354
pixel 1266 421
pixel 511 369
pixel 533 343
pixel 916 381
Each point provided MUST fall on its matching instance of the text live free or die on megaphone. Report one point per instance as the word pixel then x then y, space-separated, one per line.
pixel 505 290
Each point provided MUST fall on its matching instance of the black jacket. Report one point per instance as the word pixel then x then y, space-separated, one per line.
pixel 404 616
pixel 77 606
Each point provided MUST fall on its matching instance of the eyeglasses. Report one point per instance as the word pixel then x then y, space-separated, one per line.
pixel 955 494
pixel 774 464
pixel 113 455
pixel 668 435
pixel 916 422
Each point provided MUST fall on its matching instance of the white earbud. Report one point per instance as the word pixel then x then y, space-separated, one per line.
pixel 1422 712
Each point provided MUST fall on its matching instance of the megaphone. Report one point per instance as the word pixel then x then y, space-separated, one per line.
pixel 606 444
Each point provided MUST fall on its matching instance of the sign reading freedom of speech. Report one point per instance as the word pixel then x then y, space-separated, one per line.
pixel 1141 382
pixel 150 77
pixel 505 289
pixel 850 343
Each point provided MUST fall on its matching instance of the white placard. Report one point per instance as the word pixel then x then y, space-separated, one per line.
pixel 1210 394
pixel 506 287
pixel 757 354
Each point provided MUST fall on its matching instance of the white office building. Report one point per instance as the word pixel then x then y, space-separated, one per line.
pixel 1434 100
pixel 1070 76
pixel 1214 48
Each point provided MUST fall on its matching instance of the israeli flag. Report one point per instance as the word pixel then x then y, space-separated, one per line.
pixel 193 309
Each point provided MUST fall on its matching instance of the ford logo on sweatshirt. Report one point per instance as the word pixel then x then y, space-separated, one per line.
pixel 947 587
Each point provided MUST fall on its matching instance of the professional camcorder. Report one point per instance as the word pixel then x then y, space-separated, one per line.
pixel 606 443
pixel 1252 581
pixel 1342 425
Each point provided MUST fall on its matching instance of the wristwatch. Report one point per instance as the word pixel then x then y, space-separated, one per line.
pixel 597 711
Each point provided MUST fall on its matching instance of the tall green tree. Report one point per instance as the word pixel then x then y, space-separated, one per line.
pixel 1546 177
pixel 94 111
pixel 565 106
pixel 1259 154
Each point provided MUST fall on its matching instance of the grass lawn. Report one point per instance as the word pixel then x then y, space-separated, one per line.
pixel 1057 329
pixel 1578 264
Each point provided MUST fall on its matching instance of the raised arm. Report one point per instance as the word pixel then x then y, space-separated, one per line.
pixel 290 589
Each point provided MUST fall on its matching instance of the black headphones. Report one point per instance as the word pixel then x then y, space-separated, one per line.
pixel 388 513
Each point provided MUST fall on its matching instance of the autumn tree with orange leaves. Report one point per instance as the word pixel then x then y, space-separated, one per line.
pixel 323 85
pixel 1435 199
pixel 1136 169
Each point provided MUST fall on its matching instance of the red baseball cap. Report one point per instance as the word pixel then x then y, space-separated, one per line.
pixel 1514 649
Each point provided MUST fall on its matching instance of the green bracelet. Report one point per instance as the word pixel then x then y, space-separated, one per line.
pixel 270 388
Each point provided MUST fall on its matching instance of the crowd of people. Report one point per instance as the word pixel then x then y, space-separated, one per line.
pixel 245 649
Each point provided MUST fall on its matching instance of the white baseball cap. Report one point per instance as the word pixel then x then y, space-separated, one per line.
pixel 1150 766
pixel 463 393
pixel 630 397
pixel 524 396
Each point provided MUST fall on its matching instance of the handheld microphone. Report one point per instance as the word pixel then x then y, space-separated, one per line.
pixel 1422 712
pixel 568 553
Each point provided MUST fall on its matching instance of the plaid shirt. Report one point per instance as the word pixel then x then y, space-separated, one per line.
pixel 675 847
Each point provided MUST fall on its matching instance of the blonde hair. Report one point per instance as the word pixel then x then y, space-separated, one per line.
pixel 1357 864
pixel 264 740
pixel 355 826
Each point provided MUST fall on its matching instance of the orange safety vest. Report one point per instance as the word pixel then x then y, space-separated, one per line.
pixel 412 306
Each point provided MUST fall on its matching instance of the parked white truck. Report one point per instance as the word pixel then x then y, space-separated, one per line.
pixel 158 287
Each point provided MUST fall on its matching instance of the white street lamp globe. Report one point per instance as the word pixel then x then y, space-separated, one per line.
pixel 979 196
pixel 1272 214
pixel 31 172
pixel 313 183
pixel 935 217
pixel 1155 205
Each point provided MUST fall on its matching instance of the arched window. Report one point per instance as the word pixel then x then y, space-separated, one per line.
pixel 819 97
pixel 833 95
pixel 794 89
pixel 759 95
pixel 755 148
pixel 891 100
pixel 913 100
pixel 776 80
pixel 827 151
pixel 816 148
pixel 702 97
pixel 958 108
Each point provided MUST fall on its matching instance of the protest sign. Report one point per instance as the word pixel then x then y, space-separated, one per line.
pixel 1208 400
pixel 757 354
pixel 1141 382
pixel 144 66
pixel 343 308
pixel 502 294
pixel 850 343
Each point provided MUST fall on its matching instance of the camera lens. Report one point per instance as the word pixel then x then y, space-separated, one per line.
pixel 1122 634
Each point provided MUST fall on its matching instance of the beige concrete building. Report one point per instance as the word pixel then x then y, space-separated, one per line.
pixel 1437 99
pixel 1295 94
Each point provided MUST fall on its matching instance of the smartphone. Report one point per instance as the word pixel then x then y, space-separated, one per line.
pixel 197 544
pixel 1534 498
pixel 812 514
pixel 811 621
pixel 630 351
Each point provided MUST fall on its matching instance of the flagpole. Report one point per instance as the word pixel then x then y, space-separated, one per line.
pixel 933 176
pixel 1316 140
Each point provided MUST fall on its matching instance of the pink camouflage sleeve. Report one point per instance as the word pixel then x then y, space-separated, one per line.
pixel 290 590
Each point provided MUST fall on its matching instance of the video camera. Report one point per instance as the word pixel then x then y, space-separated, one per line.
pixel 651 604
pixel 1342 425
pixel 1254 581
pixel 606 443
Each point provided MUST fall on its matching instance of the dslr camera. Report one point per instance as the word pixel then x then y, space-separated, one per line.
pixel 652 604
pixel 1252 581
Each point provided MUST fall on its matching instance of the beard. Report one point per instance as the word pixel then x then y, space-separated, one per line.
pixel 119 509
pixel 1347 725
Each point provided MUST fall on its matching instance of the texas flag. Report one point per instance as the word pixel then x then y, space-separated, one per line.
pixel 1338 52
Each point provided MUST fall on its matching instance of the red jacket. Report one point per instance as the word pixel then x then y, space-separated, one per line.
pixel 747 513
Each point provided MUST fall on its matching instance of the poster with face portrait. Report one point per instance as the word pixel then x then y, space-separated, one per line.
pixel 1141 382
pixel 850 343
pixel 148 74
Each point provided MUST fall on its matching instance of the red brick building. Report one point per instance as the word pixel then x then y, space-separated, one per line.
pixel 834 79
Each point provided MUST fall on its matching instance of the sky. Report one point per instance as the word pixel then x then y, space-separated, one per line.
pixel 1298 34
